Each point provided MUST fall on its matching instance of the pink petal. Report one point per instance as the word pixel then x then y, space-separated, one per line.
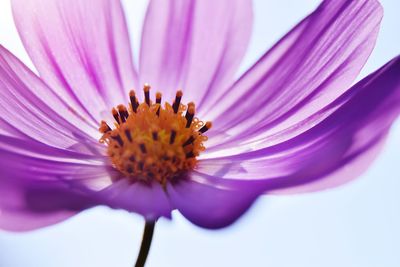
pixel 42 185
pixel 335 150
pixel 211 202
pixel 30 109
pixel 26 220
pixel 308 69
pixel 48 185
pixel 194 45
pixel 149 200
pixel 81 49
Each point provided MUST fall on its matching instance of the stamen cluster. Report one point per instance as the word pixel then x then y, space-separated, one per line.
pixel 154 142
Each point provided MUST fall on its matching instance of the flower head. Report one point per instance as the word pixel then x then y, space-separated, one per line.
pixel 292 123
pixel 154 143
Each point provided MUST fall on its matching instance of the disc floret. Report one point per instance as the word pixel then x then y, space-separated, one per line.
pixel 151 141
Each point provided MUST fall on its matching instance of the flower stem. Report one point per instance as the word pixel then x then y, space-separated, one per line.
pixel 146 242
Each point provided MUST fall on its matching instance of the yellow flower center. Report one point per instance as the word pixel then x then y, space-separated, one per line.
pixel 154 142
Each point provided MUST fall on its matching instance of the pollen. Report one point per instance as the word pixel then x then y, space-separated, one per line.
pixel 154 141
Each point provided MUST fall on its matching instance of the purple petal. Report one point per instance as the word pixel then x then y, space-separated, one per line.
pixel 29 160
pixel 348 169
pixel 308 69
pixel 81 49
pixel 75 180
pixel 194 45
pixel 211 202
pixel 29 109
pixel 48 185
pixel 332 152
pixel 26 220
pixel 149 200
pixel 41 185
pixel 28 204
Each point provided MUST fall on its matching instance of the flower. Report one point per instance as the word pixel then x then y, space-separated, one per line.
pixel 291 123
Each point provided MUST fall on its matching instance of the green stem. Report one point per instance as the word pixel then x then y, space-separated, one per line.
pixel 146 242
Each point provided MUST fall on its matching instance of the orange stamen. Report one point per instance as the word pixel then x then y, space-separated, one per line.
pixel 154 142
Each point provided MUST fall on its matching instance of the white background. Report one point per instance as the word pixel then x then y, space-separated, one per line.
pixel 354 225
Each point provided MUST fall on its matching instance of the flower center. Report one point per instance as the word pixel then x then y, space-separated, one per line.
pixel 154 142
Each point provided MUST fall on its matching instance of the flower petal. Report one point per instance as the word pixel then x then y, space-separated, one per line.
pixel 28 205
pixel 211 202
pixel 41 185
pixel 308 69
pixel 149 200
pixel 81 49
pixel 27 221
pixel 344 143
pixel 49 185
pixel 194 45
pixel 30 109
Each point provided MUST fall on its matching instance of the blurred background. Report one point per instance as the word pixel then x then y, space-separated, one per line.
pixel 356 225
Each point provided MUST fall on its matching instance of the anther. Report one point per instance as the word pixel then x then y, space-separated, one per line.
pixel 189 141
pixel 155 135
pixel 206 127
pixel 141 165
pixel 143 148
pixel 123 113
pixel 134 101
pixel 177 101
pixel 115 115
pixel 158 101
pixel 190 154
pixel 172 137
pixel 158 98
pixel 118 139
pixel 189 114
pixel 104 128
pixel 128 135
pixel 146 89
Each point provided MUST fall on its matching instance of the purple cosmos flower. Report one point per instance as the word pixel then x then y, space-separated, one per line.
pixel 291 123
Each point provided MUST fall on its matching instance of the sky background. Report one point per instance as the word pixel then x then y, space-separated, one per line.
pixel 356 225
